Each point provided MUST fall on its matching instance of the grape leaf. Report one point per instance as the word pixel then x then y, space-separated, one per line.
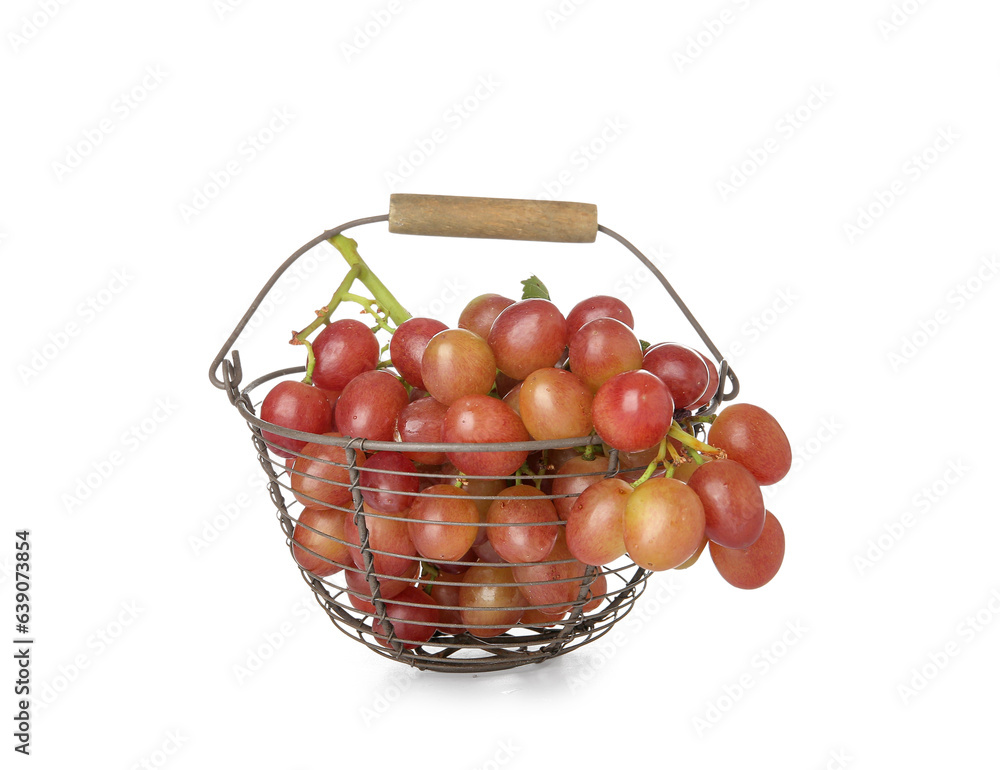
pixel 534 289
pixel 644 345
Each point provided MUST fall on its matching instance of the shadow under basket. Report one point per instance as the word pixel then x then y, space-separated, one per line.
pixel 571 605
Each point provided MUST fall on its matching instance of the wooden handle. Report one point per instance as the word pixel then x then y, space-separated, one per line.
pixel 506 218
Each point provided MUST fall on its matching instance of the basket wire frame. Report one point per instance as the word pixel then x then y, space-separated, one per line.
pixel 465 652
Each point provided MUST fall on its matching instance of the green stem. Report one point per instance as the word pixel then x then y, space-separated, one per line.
pixel 428 569
pixel 651 468
pixel 690 441
pixel 323 316
pixel 348 248
pixel 310 362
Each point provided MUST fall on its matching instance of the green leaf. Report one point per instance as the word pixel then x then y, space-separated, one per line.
pixel 534 289
pixel 643 344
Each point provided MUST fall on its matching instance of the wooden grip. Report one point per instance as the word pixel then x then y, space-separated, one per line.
pixel 506 218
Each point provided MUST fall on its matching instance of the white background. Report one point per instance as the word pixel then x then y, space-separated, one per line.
pixel 154 586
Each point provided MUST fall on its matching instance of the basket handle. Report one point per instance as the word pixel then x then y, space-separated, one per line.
pixel 505 218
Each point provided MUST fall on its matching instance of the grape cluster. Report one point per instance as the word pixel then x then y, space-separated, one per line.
pixel 481 541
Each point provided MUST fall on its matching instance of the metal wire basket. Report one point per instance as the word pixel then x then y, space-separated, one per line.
pixel 591 600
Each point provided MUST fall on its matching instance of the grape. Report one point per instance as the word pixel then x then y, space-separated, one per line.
pixel 682 370
pixel 486 553
pixel 296 406
pixel 664 524
pixel 479 315
pixel 755 440
pixel 535 617
pixel 554 584
pixel 684 470
pixel 505 384
pixel 694 556
pixel 755 565
pixel 528 335
pixel 633 411
pixel 445 592
pixel 343 350
pixel 734 506
pixel 359 594
pixel 320 475
pixel 574 476
pixel 524 509
pixel 594 528
pixel 481 419
pixel 447 541
pixel 370 404
pixel 601 306
pixel 393 552
pixel 490 608
pixel 414 617
pixel 314 551
pixel 480 491
pixel 457 363
pixel 713 383
pixel 406 347
pixel 421 421
pixel 513 398
pixel 601 349
pixel 555 404
pixel 386 487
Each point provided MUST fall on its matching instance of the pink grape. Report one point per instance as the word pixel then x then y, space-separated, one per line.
pixel 457 363
pixel 633 411
pixel 443 525
pixel 601 306
pixel 421 421
pixel 386 483
pixel 734 505
pixel 601 349
pixel 555 404
pixel 572 478
pixel 754 439
pixel 343 350
pixel 406 347
pixel 682 369
pixel 524 536
pixel 755 565
pixel 664 524
pixel 296 406
pixel 478 316
pixel 482 419
pixel 370 404
pixel 595 531
pixel 528 335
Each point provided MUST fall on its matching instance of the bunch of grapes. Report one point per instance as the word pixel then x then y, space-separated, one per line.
pixel 485 539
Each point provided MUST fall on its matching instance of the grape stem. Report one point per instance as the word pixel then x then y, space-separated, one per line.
pixel 384 307
pixel 651 468
pixel 677 432
pixel 428 570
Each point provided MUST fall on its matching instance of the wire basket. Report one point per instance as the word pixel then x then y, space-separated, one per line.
pixel 361 585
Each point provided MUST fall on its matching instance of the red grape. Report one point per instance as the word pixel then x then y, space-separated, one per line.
pixel 755 565
pixel 734 505
pixel 370 404
pixel 296 406
pixel 360 594
pixel 320 475
pixel 528 335
pixel 601 306
pixel 574 476
pixel 523 509
pixel 682 370
pixel 452 539
pixel 755 440
pixel 386 485
pixel 445 592
pixel 489 607
pixel 421 422
pixel 343 350
pixel 664 524
pixel 406 347
pixel 457 363
pixel 314 551
pixel 414 616
pixel 392 550
pixel 553 584
pixel 482 419
pixel 633 411
pixel 601 349
pixel 555 404
pixel 594 528
pixel 713 383
pixel 479 315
